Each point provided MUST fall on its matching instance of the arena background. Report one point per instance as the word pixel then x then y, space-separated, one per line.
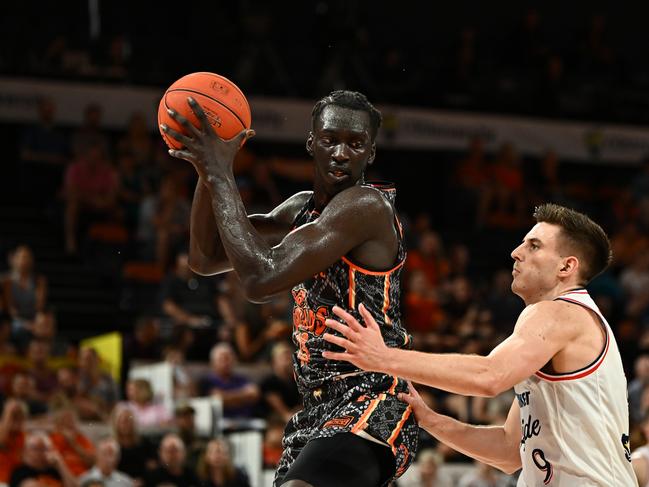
pixel 488 111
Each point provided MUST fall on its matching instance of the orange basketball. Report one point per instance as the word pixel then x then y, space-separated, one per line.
pixel 224 104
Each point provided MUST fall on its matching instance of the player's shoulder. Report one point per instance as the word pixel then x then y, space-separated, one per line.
pixel 290 207
pixel 363 199
pixel 555 314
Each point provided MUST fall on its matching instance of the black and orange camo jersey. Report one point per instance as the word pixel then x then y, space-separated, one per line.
pixel 339 397
pixel 344 284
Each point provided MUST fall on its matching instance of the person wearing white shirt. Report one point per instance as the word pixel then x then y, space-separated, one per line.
pixel 105 468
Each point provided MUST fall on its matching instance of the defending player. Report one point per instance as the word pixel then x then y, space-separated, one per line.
pixel 568 425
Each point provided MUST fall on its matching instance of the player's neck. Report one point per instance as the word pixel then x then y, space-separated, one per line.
pixel 552 293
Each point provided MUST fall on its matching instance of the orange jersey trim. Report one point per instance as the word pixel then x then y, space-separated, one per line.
pixel 362 270
pixel 362 422
pixel 399 427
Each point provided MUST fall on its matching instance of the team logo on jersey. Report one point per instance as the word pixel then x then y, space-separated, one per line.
pixel 529 429
pixel 338 422
pixel 304 318
pixel 627 446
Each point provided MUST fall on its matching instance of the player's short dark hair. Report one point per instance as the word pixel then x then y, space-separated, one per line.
pixel 583 237
pixel 352 100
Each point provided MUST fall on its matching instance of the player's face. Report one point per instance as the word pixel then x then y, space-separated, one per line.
pixel 537 262
pixel 342 147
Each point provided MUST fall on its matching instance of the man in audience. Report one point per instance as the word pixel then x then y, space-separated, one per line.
pixel 12 436
pixel 97 390
pixel 238 394
pixel 105 468
pixel 186 429
pixel 279 391
pixel 42 462
pixel 172 471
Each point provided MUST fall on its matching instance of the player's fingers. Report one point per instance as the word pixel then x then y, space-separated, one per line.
pixel 370 322
pixel 338 326
pixel 349 319
pixel 182 120
pixel 200 114
pixel 340 341
pixel 183 154
pixel 183 139
pixel 335 356
pixel 402 396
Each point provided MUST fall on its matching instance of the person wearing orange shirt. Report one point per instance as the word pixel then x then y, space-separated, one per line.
pixel 77 451
pixel 12 437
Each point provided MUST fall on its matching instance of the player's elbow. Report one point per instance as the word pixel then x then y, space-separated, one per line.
pixel 510 468
pixel 256 291
pixel 492 382
pixel 203 266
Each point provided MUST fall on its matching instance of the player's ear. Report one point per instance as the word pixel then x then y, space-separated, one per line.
pixel 570 266
pixel 309 144
pixel 372 154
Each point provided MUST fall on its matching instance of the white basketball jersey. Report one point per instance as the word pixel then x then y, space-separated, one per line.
pixel 575 426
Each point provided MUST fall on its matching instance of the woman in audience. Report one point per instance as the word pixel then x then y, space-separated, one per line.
pixel 138 454
pixel 25 291
pixel 76 449
pixel 147 413
pixel 216 469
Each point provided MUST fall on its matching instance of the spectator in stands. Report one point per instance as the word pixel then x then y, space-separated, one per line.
pixel 145 342
pixel 90 134
pixel 172 471
pixel 483 475
pixel 637 386
pixel 502 203
pixel 216 468
pixel 105 468
pixel 137 140
pixel 184 386
pixel 6 347
pixel 502 303
pixel 45 330
pixel 422 309
pixel 130 189
pixel 164 221
pixel 272 447
pixel 12 436
pixel 428 474
pixel 90 193
pixel 260 327
pixel 97 390
pixel 43 153
pixel 23 388
pixel 67 391
pixel 279 390
pixel 38 358
pixel 468 181
pixel 24 290
pixel 147 412
pixel 429 258
pixel 41 461
pixel 635 282
pixel 184 416
pixel 138 455
pixel 238 394
pixel 189 299
pixel 76 449
pixel 194 306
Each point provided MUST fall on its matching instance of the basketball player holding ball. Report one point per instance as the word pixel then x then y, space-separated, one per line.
pixel 568 425
pixel 337 245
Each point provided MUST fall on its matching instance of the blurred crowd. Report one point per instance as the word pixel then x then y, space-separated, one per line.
pixel 122 191
pixel 550 60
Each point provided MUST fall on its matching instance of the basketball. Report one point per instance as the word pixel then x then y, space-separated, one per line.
pixel 224 104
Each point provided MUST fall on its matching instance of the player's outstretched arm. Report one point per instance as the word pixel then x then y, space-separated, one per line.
pixel 497 446
pixel 539 334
